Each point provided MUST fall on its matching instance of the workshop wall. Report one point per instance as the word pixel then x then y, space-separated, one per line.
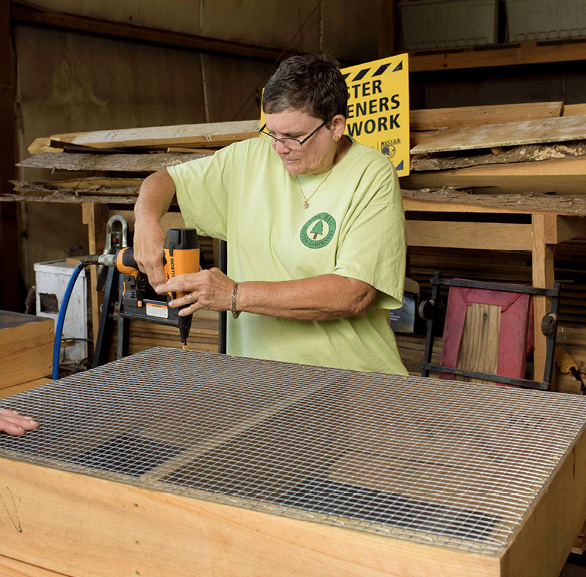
pixel 74 82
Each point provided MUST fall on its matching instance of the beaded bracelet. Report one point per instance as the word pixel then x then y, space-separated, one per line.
pixel 235 313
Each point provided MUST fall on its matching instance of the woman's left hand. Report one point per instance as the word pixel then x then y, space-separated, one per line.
pixel 207 289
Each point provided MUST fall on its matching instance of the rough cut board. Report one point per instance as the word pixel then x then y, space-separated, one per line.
pixel 506 134
pixel 516 154
pixel 179 463
pixel 436 118
pixel 143 163
pixel 211 133
pixel 449 200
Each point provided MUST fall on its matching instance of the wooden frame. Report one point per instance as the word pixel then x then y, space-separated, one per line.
pixel 56 522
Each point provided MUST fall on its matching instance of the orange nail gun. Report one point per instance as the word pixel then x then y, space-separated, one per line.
pixel 138 299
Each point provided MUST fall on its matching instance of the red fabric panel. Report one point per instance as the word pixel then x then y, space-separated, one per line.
pixel 515 334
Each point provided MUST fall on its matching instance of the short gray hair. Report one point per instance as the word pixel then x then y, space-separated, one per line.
pixel 312 83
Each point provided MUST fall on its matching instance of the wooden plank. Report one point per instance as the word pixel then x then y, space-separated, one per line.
pixel 155 533
pixel 436 118
pixel 26 348
pixel 506 134
pixel 125 30
pixel 9 235
pixel 480 341
pixel 209 134
pixel 471 235
pixel 543 277
pixel 462 201
pixel 551 167
pixel 519 154
pixel 500 55
pixel 580 544
pixel 574 109
pixel 142 163
pixel 45 189
pixel 15 389
pixel 96 217
pixel 13 568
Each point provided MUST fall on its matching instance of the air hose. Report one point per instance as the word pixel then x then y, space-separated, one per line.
pixel 61 319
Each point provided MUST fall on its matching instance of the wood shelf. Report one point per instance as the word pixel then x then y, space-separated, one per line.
pixel 540 52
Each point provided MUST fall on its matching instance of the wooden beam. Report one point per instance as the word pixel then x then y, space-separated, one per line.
pixel 499 55
pixel 9 296
pixel 96 217
pixel 474 235
pixel 543 226
pixel 386 28
pixel 53 19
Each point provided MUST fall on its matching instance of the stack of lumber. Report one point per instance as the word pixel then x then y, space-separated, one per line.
pixel 108 167
pixel 516 148
pixel 26 352
pixel 530 157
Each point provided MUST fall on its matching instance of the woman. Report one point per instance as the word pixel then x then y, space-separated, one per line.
pixel 314 224
pixel 13 423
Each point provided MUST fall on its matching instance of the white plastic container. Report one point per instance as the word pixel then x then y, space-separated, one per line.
pixel 52 278
pixel 437 24
pixel 529 20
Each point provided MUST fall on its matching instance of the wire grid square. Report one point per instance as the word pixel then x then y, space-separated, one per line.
pixel 435 462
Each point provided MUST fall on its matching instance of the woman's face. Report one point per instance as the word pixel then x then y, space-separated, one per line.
pixel 317 154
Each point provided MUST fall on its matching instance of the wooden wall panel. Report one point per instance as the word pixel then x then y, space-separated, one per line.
pixel 350 29
pixel 74 82
pixel 264 22
pixel 234 86
pixel 184 16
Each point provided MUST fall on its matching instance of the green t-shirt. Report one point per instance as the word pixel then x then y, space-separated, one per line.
pixel 354 227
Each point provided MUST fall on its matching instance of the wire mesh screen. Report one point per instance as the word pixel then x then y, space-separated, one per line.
pixel 436 462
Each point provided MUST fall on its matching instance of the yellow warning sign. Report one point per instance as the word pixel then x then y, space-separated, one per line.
pixel 378 107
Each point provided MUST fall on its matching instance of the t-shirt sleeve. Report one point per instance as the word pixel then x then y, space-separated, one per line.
pixel 202 188
pixel 372 245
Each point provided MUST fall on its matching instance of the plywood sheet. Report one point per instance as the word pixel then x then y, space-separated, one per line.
pixel 506 134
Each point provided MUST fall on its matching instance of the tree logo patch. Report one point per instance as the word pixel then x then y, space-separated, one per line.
pixel 318 231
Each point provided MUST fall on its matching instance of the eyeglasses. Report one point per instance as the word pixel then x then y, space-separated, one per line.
pixel 290 143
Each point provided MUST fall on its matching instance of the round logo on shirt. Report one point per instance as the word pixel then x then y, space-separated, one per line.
pixel 318 231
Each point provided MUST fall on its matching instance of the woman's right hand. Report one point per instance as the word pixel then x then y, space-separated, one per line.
pixel 149 239
pixel 156 194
